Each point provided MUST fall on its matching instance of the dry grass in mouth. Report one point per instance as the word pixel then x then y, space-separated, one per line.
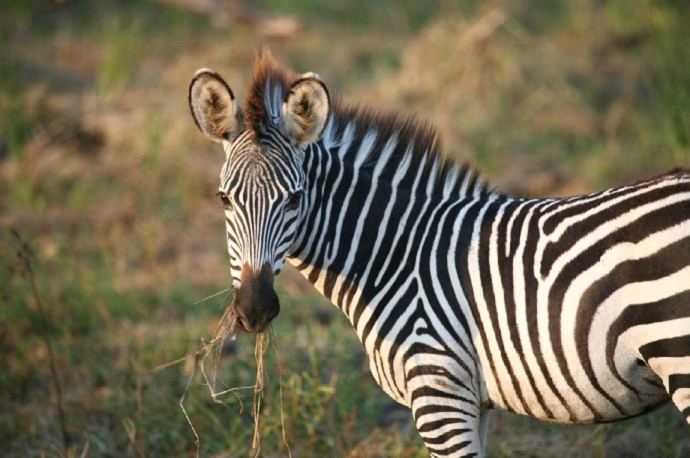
pixel 224 332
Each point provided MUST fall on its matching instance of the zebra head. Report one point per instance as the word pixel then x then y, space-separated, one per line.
pixel 262 181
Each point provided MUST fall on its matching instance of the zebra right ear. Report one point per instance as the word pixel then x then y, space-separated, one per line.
pixel 213 107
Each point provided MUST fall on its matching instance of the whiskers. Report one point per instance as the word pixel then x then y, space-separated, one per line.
pixel 212 296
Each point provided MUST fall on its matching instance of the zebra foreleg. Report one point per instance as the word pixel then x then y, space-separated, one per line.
pixel 450 427
pixel 483 427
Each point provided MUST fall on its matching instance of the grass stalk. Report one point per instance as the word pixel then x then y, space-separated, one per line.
pixel 25 255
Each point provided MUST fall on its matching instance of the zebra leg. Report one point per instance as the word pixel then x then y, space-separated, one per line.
pixel 449 427
pixel 669 358
pixel 484 427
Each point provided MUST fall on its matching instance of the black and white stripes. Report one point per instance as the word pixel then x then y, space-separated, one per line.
pixel 263 190
pixel 570 310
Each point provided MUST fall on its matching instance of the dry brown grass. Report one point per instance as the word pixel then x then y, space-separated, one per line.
pixel 224 333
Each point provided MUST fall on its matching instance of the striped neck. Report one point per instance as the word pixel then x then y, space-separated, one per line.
pixel 370 173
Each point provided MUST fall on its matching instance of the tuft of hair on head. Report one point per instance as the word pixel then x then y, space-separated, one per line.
pixel 298 105
pixel 270 81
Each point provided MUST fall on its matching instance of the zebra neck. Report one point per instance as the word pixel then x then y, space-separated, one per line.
pixel 360 236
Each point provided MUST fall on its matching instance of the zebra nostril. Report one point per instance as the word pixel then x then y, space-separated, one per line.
pixel 249 325
pixel 240 324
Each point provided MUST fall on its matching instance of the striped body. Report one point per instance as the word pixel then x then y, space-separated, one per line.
pixel 571 310
pixel 552 308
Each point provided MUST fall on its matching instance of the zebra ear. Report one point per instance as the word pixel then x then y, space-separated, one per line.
pixel 213 106
pixel 305 110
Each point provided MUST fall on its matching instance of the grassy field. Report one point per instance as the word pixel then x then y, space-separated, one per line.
pixel 107 206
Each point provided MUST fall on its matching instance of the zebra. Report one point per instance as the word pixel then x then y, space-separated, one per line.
pixel 570 310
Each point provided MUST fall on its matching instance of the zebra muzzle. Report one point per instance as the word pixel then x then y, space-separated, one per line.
pixel 257 301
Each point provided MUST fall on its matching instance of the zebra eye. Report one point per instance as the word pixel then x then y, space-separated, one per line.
pixel 293 201
pixel 224 198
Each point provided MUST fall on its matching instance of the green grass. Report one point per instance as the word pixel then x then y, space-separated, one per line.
pixel 109 342
pixel 104 175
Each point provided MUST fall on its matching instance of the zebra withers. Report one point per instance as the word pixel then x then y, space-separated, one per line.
pixel 572 310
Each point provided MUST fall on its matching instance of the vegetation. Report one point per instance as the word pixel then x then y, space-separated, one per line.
pixel 107 182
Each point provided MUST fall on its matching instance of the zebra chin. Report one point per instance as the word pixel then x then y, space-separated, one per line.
pixel 256 302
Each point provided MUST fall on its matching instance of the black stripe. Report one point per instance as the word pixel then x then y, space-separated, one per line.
pixel 439 408
pixel 674 347
pixel 450 450
pixel 436 424
pixel 427 391
pixel 677 381
pixel 442 438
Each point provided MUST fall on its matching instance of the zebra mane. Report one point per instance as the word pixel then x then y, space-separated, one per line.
pixel 418 144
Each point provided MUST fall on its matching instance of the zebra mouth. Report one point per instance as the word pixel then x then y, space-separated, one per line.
pixel 244 325
pixel 234 307
pixel 254 308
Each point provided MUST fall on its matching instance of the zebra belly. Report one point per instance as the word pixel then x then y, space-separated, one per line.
pixel 551 395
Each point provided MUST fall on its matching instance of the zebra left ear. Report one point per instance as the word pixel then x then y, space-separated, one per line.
pixel 305 110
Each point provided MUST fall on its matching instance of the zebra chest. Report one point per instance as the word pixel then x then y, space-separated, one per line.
pixel 389 375
pixel 410 357
pixel 386 357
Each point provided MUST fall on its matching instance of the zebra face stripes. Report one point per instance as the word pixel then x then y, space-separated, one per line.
pixel 569 310
pixel 261 188
pixel 262 180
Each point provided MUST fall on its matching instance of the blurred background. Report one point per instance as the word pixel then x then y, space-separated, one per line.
pixel 111 239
